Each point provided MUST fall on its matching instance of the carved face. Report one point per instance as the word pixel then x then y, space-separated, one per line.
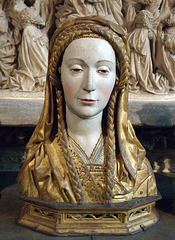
pixel 88 73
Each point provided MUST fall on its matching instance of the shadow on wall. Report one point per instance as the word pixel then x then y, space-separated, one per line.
pixel 12 147
pixel 166 186
pixel 157 115
pixel 7 178
pixel 159 141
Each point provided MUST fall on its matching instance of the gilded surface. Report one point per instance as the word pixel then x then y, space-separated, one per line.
pixel 72 221
pixel 53 171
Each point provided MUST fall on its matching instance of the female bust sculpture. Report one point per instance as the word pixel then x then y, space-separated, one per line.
pixel 84 152
pixel 84 149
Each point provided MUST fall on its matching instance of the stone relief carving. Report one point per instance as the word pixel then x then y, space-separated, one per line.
pixel 142 38
pixel 30 25
pixel 165 57
pixel 33 54
pixel 145 23
pixel 7 51
pixel 107 9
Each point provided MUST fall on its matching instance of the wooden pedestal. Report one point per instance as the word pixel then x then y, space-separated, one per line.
pixel 92 219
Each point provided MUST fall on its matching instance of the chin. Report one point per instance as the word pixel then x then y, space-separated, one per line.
pixel 88 115
pixel 85 112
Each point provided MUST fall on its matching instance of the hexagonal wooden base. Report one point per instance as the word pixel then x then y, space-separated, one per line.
pixel 92 219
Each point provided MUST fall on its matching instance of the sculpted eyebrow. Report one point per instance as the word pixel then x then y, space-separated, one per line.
pixel 76 59
pixel 105 61
pixel 81 60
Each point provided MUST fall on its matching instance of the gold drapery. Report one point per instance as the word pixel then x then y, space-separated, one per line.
pixel 47 172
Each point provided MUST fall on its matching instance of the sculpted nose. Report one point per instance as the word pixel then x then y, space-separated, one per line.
pixel 89 82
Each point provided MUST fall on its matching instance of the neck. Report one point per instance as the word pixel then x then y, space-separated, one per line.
pixel 85 131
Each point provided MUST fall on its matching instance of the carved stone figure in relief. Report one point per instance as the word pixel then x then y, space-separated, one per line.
pixel 84 149
pixel 142 41
pixel 7 51
pixel 166 8
pixel 47 12
pixel 165 54
pixel 33 52
pixel 107 9
pixel 13 10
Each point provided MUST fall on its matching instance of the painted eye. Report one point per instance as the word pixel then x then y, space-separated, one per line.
pixel 76 69
pixel 103 70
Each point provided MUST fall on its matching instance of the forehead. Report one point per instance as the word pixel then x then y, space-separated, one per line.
pixel 88 48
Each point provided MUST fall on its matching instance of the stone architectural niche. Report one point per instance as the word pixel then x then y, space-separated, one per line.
pixel 144 22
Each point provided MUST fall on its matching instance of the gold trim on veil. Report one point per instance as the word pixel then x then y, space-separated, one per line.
pixel 122 146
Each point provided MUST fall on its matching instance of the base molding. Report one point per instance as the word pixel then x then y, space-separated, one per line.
pixel 91 219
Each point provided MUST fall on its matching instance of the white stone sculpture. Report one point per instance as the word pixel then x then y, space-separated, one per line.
pixel 33 52
pixel 13 10
pixel 107 9
pixel 167 166
pixel 142 41
pixel 165 57
pixel 47 12
pixel 156 166
pixel 145 20
pixel 7 51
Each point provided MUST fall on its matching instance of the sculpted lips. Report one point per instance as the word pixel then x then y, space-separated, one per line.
pixel 88 101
